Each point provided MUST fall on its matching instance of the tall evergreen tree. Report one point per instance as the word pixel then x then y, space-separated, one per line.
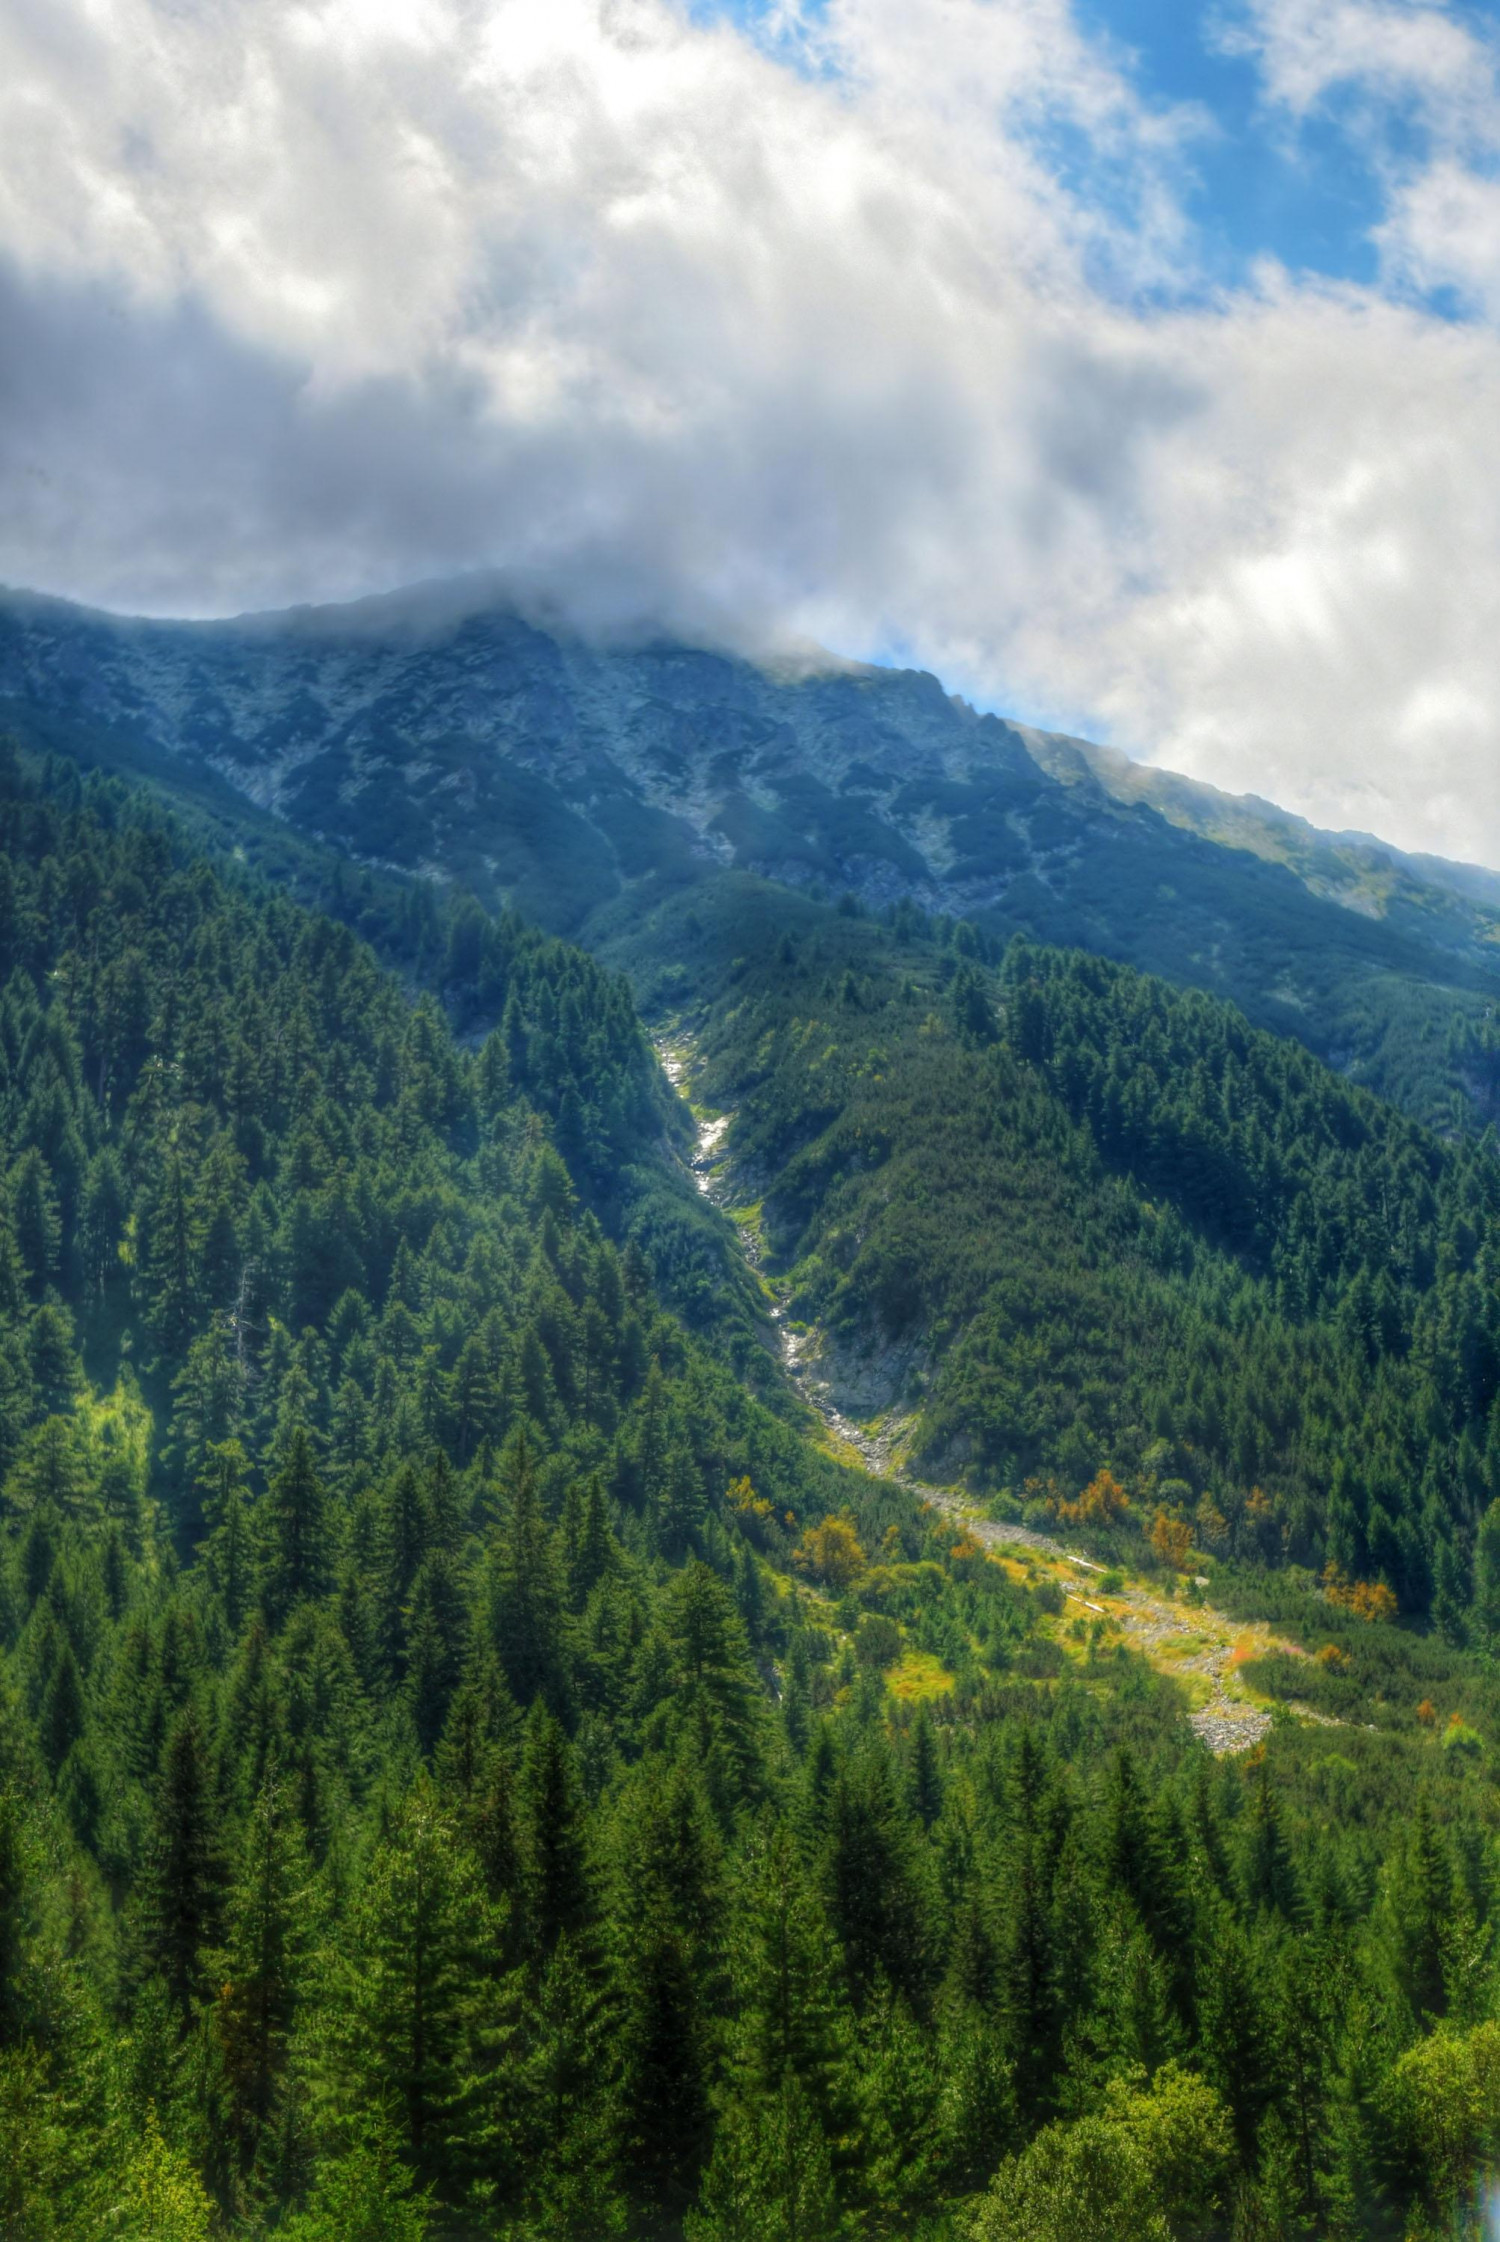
pixel 554 1863
pixel 422 2013
pixel 184 1894
pixel 296 1561
pixel 526 1608
pixel 266 1937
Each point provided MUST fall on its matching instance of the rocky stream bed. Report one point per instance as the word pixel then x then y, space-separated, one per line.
pixel 1200 1646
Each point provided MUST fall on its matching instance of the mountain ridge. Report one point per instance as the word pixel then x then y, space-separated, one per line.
pixel 435 734
pixel 427 610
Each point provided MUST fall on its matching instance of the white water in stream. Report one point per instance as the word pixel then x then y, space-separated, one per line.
pixel 1227 1723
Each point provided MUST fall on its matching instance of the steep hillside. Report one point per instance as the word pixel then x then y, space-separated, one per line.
pixel 1059 1219
pixel 471 1772
pixel 527 765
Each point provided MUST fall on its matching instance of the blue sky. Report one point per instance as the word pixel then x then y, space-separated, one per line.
pixel 1309 191
pixel 1307 195
pixel 1255 180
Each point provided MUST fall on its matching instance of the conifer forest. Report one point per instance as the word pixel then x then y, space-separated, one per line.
pixel 489 1755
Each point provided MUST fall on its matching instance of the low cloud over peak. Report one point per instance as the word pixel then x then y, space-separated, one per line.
pixel 881 328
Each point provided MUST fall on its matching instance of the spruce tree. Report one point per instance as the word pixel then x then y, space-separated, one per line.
pixel 597 1553
pixel 566 2088
pixel 187 1873
pixel 1028 1969
pixel 873 1877
pixel 266 1934
pixel 550 1834
pixel 1270 1878
pixel 792 2016
pixel 422 2012
pixel 716 1701
pixel 403 1537
pixel 15 1917
pixel 771 2175
pixel 1421 1912
pixel 526 1604
pixel 296 1539
pixel 666 2064
pixel 61 1719
pixel 436 1630
pixel 926 1781
pixel 228 1555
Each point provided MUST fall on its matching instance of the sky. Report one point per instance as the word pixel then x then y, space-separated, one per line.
pixel 1133 364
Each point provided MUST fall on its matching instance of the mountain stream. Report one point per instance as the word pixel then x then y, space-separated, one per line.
pixel 1202 1648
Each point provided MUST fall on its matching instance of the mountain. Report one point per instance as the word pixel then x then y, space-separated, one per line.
pixel 1354 869
pixel 441 733
pixel 1057 1216
pixel 479 1761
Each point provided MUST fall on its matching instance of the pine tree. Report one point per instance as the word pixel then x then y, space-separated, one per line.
pixel 187 1874
pixel 436 1631
pixel 422 2013
pixel 565 2087
pixel 555 1873
pixel 526 1605
pixel 296 1556
pixel 925 1780
pixel 61 1720
pixel 266 1934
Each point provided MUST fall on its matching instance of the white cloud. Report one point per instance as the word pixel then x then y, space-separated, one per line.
pixel 1421 89
pixel 296 300
pixel 1416 52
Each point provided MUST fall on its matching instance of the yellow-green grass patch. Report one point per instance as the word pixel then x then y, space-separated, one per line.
pixel 918 1674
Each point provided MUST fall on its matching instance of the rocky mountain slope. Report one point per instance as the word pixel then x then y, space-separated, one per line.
pixel 438 734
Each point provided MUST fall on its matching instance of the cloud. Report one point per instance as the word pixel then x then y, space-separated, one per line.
pixel 879 324
pixel 1444 232
pixel 1418 54
pixel 1418 84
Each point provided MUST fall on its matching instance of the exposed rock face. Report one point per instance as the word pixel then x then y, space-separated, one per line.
pixel 473 745
pixel 482 742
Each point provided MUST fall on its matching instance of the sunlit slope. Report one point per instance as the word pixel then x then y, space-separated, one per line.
pixel 1056 1216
